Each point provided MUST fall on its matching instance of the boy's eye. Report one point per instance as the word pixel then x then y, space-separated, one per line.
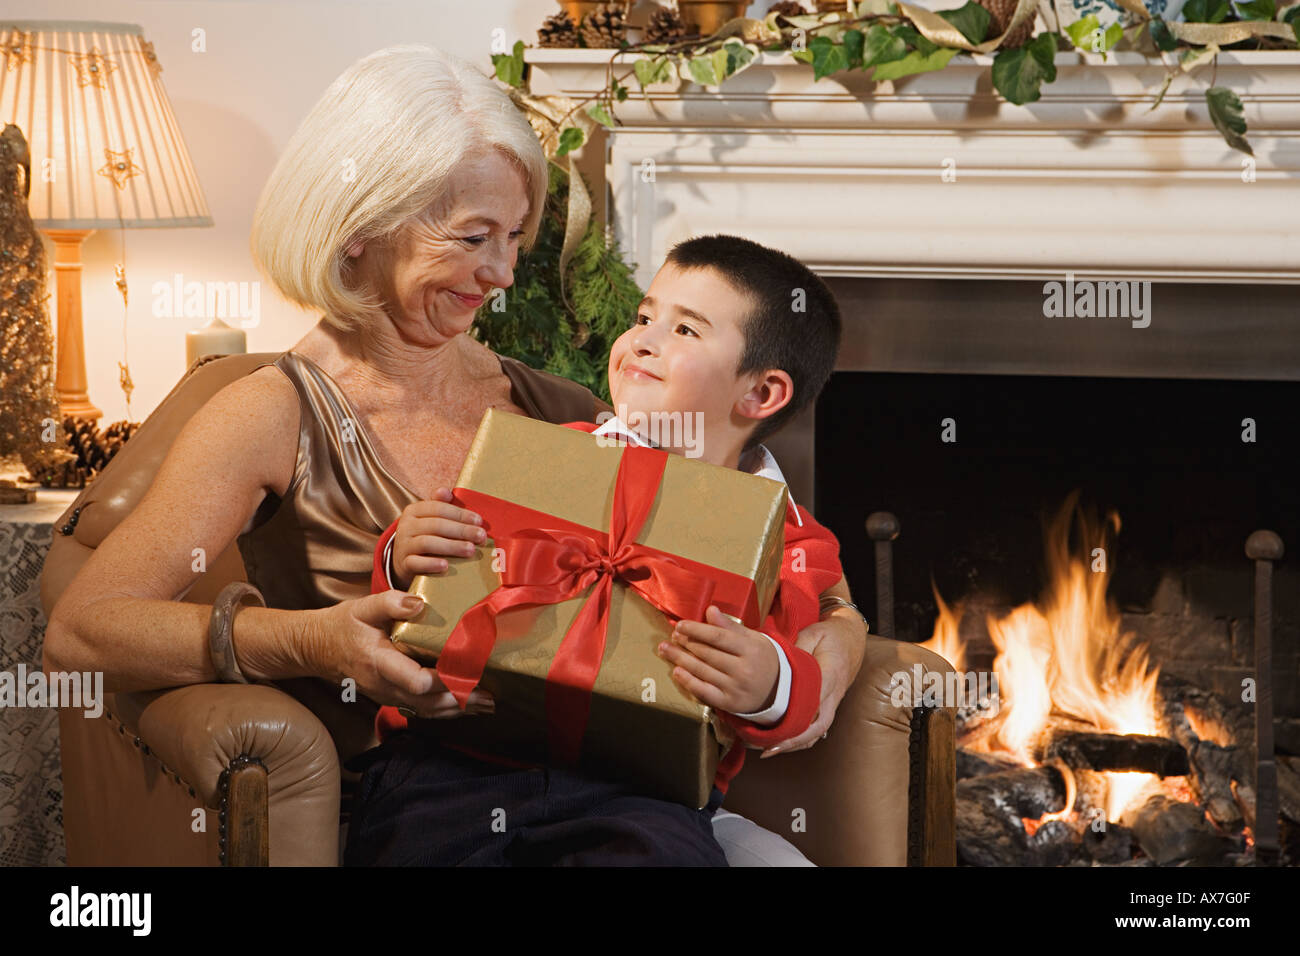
pixel 637 320
pixel 687 328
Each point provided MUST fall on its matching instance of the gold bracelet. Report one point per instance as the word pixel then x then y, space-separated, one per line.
pixel 221 625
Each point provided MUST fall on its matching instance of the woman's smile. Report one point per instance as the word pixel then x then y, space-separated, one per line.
pixel 472 302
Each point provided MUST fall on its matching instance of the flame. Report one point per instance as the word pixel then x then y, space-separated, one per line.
pixel 945 642
pixel 1066 657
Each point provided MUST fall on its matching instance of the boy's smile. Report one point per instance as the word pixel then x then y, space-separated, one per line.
pixel 683 349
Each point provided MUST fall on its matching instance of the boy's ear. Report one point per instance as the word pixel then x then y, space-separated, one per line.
pixel 773 391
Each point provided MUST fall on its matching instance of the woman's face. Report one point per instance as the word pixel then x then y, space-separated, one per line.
pixel 444 264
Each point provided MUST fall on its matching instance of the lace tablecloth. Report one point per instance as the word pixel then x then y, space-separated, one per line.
pixel 31 786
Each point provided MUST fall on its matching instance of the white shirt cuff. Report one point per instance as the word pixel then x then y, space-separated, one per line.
pixel 781 704
pixel 388 562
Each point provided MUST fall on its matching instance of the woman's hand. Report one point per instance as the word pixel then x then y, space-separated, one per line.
pixel 350 640
pixel 430 531
pixel 837 644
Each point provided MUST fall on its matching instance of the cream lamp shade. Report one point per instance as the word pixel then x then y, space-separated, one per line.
pixel 106 151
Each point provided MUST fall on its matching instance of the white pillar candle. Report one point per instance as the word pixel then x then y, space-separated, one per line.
pixel 215 338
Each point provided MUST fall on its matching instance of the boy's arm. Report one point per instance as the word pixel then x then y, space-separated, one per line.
pixel 810 565
pixel 804 688
pixel 381 573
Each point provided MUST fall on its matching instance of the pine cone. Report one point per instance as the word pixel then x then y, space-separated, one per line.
pixel 1001 12
pixel 665 26
pixel 788 8
pixel 558 31
pixel 606 27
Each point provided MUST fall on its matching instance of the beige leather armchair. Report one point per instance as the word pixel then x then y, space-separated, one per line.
pixel 250 774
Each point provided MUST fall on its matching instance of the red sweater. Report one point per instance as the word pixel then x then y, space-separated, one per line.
pixel 810 566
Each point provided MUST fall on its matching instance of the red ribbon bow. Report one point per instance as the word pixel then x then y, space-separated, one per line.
pixel 549 560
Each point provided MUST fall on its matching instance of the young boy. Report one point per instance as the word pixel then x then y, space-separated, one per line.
pixel 738 338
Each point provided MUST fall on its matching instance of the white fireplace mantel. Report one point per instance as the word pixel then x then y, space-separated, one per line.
pixel 850 176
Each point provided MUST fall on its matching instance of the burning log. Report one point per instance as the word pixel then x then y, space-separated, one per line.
pixel 1029 792
pixel 1054 843
pixel 990 831
pixel 1126 752
pixel 1213 769
pixel 987 835
pixel 1171 832
pixel 973 764
pixel 1111 843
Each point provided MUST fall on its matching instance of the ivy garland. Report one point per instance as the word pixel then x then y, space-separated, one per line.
pixel 894 40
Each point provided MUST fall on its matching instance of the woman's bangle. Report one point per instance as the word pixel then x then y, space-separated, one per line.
pixel 221 626
pixel 831 601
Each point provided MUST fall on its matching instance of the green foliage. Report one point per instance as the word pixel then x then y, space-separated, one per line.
pixel 1162 36
pixel 509 67
pixel 882 47
pixel 1205 11
pixel 1019 74
pixel 972 20
pixel 1226 114
pixel 915 62
pixel 1088 35
pixel 536 327
pixel 1257 10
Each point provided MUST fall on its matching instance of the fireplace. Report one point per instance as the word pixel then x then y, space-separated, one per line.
pixel 941 280
pixel 1104 455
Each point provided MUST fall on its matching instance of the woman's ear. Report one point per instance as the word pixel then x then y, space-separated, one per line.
pixel 355 250
pixel 773 391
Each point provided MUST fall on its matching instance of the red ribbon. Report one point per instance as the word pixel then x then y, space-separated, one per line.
pixel 549 560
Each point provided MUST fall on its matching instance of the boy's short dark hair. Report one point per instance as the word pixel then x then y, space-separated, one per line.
pixel 803 344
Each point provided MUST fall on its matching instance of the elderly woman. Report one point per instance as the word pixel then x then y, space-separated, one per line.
pixel 398 206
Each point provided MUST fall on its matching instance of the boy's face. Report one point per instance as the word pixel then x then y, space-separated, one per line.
pixel 682 351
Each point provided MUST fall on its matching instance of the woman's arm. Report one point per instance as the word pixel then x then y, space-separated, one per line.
pixel 837 642
pixel 120 614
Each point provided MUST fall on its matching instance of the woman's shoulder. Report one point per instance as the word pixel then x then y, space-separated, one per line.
pixel 548 396
pixel 254 419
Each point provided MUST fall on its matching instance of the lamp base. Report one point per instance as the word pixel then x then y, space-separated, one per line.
pixel 70 377
pixel 78 406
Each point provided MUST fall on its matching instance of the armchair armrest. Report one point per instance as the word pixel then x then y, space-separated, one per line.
pixel 135 777
pixel 880 790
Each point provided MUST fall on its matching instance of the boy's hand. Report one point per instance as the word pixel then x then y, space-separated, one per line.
pixel 429 531
pixel 723 663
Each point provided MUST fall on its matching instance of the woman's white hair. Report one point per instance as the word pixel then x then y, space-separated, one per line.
pixel 374 153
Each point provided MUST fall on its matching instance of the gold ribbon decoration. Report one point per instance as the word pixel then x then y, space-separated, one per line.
pixel 547 114
pixel 938 30
pixel 1204 34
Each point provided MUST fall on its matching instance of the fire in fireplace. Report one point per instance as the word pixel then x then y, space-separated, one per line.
pixel 1121 736
pixel 1086 756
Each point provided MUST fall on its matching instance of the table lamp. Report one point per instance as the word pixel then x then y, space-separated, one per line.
pixel 105 151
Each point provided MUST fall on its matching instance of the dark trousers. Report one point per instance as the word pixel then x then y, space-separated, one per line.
pixel 421 804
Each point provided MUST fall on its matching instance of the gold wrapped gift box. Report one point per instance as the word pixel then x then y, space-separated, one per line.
pixel 642 729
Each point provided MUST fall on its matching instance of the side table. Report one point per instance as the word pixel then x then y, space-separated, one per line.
pixel 31 784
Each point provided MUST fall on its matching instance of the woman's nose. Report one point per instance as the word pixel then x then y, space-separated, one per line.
pixel 499 267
